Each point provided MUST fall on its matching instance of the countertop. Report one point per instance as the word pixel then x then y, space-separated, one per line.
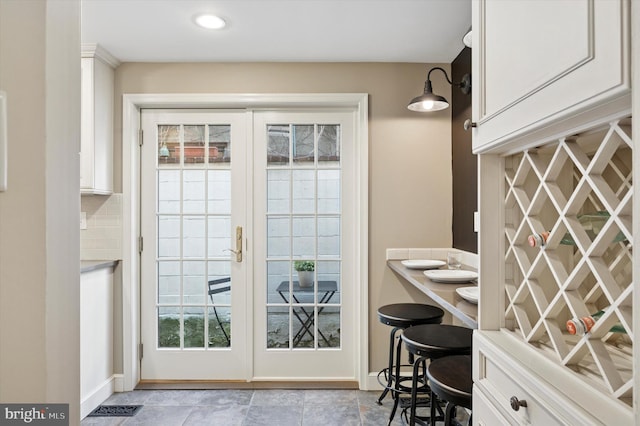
pixel 443 294
pixel 92 265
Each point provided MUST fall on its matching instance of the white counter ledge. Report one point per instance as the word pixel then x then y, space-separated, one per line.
pixel 92 265
pixel 443 294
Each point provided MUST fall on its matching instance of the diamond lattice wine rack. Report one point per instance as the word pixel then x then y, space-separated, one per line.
pixel 579 190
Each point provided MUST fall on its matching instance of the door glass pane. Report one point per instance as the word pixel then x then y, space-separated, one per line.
pixel 193 278
pixel 168 327
pixel 194 144
pixel 219 236
pixel 193 327
pixel 278 241
pixel 329 191
pixel 168 236
pixel 304 191
pixel 168 145
pixel 329 327
pixel 303 236
pixel 303 144
pixel 193 191
pixel 168 191
pixel 278 144
pixel 168 283
pixel 278 327
pixel 219 192
pixel 278 182
pixel 219 143
pixel 193 241
pixel 219 327
pixel 328 144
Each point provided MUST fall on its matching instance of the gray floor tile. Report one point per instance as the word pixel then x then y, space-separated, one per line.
pixel 330 397
pixel 275 415
pixel 156 416
pixel 136 397
pixel 331 415
pixel 278 397
pixel 175 397
pixel 232 415
pixel 102 421
pixel 226 397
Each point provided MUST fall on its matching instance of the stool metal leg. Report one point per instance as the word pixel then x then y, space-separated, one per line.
pixel 396 375
pixel 414 389
pixel 392 345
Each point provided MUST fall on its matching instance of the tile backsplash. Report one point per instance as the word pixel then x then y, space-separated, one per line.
pixel 102 240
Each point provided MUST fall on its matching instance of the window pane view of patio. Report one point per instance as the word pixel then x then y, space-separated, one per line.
pixel 194 227
pixel 303 236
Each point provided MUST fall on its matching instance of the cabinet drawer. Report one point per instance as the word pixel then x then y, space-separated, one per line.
pixel 502 385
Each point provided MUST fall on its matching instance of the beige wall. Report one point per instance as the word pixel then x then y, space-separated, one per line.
pixel 39 212
pixel 410 153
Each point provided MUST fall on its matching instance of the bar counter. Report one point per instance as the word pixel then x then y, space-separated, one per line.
pixel 443 294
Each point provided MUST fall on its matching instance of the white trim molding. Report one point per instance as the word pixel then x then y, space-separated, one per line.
pixel 133 103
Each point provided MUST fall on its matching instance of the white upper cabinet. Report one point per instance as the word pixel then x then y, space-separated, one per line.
pixel 96 152
pixel 543 66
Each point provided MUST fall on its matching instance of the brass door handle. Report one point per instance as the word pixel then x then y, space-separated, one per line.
pixel 238 250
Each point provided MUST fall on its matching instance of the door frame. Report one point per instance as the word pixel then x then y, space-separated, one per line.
pixel 131 106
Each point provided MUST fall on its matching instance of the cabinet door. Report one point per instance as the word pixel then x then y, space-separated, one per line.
pixel 539 67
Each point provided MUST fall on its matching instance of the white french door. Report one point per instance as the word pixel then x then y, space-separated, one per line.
pixel 303 166
pixel 286 180
pixel 194 287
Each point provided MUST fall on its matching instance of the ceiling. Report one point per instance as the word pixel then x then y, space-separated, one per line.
pixel 279 30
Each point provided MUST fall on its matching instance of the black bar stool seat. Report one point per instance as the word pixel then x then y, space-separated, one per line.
pixel 401 316
pixel 433 341
pixel 406 315
pixel 451 381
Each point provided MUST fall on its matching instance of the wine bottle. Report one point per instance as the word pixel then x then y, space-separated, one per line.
pixel 592 224
pixel 582 326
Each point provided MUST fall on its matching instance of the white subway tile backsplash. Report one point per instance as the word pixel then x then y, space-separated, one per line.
pixel 468 258
pixel 102 240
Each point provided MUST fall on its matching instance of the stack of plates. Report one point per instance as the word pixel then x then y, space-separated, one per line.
pixel 422 264
pixel 451 276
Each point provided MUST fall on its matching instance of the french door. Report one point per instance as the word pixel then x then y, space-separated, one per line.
pixel 194 287
pixel 233 203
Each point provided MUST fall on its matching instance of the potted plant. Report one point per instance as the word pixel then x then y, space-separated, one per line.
pixel 305 270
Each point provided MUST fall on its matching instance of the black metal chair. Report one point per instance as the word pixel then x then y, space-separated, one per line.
pixel 217 286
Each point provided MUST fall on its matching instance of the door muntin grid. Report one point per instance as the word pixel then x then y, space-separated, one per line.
pixel 303 223
pixel 193 217
pixel 579 271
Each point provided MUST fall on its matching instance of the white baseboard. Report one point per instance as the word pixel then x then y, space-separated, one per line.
pixel 372 382
pixel 118 382
pixel 97 396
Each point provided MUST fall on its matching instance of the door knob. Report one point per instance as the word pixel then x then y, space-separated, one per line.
pixel 469 124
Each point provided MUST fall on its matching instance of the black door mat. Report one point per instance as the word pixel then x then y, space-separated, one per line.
pixel 115 411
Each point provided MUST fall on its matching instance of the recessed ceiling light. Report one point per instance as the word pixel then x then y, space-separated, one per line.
pixel 210 22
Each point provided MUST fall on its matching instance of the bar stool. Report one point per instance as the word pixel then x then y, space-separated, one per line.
pixel 450 380
pixel 433 341
pixel 402 316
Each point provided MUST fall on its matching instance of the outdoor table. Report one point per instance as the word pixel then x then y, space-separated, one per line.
pixel 326 290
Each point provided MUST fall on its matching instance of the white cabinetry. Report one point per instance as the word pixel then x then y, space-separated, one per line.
pixel 96 151
pixel 541 67
pixel 554 145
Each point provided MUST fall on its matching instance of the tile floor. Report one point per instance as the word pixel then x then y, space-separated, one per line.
pixel 251 408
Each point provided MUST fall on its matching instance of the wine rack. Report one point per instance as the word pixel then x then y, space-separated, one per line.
pixel 549 189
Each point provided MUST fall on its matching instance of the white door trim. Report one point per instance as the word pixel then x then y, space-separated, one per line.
pixel 131 106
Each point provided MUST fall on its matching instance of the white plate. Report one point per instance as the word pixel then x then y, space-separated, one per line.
pixel 422 264
pixel 451 276
pixel 470 294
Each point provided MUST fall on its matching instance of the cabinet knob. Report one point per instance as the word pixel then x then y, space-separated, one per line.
pixel 468 124
pixel 516 403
